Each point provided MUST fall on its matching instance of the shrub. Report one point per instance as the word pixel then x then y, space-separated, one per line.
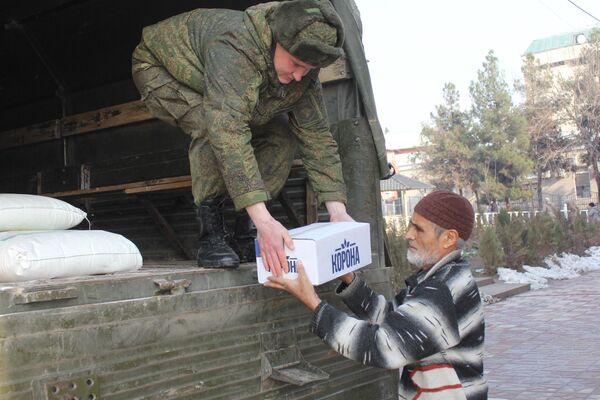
pixel 490 250
pixel 561 234
pixel 397 246
pixel 512 235
pixel 529 241
pixel 583 234
pixel 545 236
pixel 595 233
pixel 503 217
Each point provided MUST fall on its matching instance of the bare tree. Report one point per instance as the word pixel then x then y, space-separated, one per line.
pixel 581 103
pixel 548 146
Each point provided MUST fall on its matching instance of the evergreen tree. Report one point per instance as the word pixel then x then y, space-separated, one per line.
pixel 449 148
pixel 501 133
pixel 490 250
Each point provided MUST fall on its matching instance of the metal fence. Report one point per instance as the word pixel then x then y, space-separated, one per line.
pixel 557 201
pixel 527 208
pixel 489 218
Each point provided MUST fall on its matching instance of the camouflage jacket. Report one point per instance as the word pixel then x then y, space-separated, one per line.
pixel 227 57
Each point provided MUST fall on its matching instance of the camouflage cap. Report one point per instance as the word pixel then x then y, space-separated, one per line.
pixel 309 29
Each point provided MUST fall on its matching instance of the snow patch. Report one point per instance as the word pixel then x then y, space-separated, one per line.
pixel 565 266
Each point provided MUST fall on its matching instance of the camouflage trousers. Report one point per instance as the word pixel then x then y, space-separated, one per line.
pixel 167 99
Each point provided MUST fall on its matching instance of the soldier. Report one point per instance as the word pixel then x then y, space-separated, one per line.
pixel 245 87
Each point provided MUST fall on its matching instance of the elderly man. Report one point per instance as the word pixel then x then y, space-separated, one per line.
pixel 245 87
pixel 433 330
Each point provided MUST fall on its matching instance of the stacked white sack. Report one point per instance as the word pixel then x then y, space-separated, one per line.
pixel 53 254
pixel 35 243
pixel 26 212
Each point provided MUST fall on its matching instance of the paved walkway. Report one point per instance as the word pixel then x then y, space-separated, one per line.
pixel 545 344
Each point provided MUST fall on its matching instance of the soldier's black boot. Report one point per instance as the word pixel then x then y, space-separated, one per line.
pixel 214 251
pixel 243 237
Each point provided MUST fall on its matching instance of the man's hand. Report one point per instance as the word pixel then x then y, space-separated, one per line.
pixel 271 236
pixel 300 288
pixel 337 211
pixel 347 278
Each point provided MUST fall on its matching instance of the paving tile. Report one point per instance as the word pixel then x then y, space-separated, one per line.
pixel 545 344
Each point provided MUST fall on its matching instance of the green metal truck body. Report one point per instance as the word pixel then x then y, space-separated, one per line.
pixel 171 330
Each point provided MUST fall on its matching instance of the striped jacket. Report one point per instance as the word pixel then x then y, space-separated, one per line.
pixel 433 331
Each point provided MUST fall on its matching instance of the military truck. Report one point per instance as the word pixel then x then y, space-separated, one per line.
pixel 72 127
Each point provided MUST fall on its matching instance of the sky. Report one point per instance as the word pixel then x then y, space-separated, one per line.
pixel 415 47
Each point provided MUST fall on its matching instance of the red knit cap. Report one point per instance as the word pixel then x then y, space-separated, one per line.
pixel 449 211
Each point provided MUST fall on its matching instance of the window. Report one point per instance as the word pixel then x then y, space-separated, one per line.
pixel 582 184
pixel 392 207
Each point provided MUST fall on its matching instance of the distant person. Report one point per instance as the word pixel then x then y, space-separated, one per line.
pixel 593 213
pixel 572 210
pixel 549 207
pixel 433 331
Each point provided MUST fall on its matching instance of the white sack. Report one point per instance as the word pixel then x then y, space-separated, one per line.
pixel 26 212
pixel 56 254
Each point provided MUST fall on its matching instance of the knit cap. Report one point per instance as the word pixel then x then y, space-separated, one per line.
pixel 310 30
pixel 449 211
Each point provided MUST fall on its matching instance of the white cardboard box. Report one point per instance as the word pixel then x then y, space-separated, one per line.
pixel 328 250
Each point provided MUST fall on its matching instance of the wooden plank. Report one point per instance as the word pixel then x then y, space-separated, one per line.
pixel 101 189
pixel 37 133
pixel 157 188
pixel 153 185
pixel 103 118
pixel 183 180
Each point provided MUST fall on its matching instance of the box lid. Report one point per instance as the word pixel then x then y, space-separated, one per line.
pixel 322 230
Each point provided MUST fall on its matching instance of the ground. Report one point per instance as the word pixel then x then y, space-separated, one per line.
pixel 544 344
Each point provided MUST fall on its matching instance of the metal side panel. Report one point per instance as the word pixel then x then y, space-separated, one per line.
pixel 205 339
pixel 146 282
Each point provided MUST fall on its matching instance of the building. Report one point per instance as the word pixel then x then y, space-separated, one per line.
pixel 402 192
pixel 562 54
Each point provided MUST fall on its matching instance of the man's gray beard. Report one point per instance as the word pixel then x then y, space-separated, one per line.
pixel 421 259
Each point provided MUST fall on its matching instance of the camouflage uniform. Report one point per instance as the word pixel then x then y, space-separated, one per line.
pixel 211 73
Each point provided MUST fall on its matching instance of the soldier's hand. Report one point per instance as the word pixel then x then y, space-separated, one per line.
pixel 271 237
pixel 337 211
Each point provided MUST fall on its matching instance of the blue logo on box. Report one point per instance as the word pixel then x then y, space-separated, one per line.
pixel 291 263
pixel 345 256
